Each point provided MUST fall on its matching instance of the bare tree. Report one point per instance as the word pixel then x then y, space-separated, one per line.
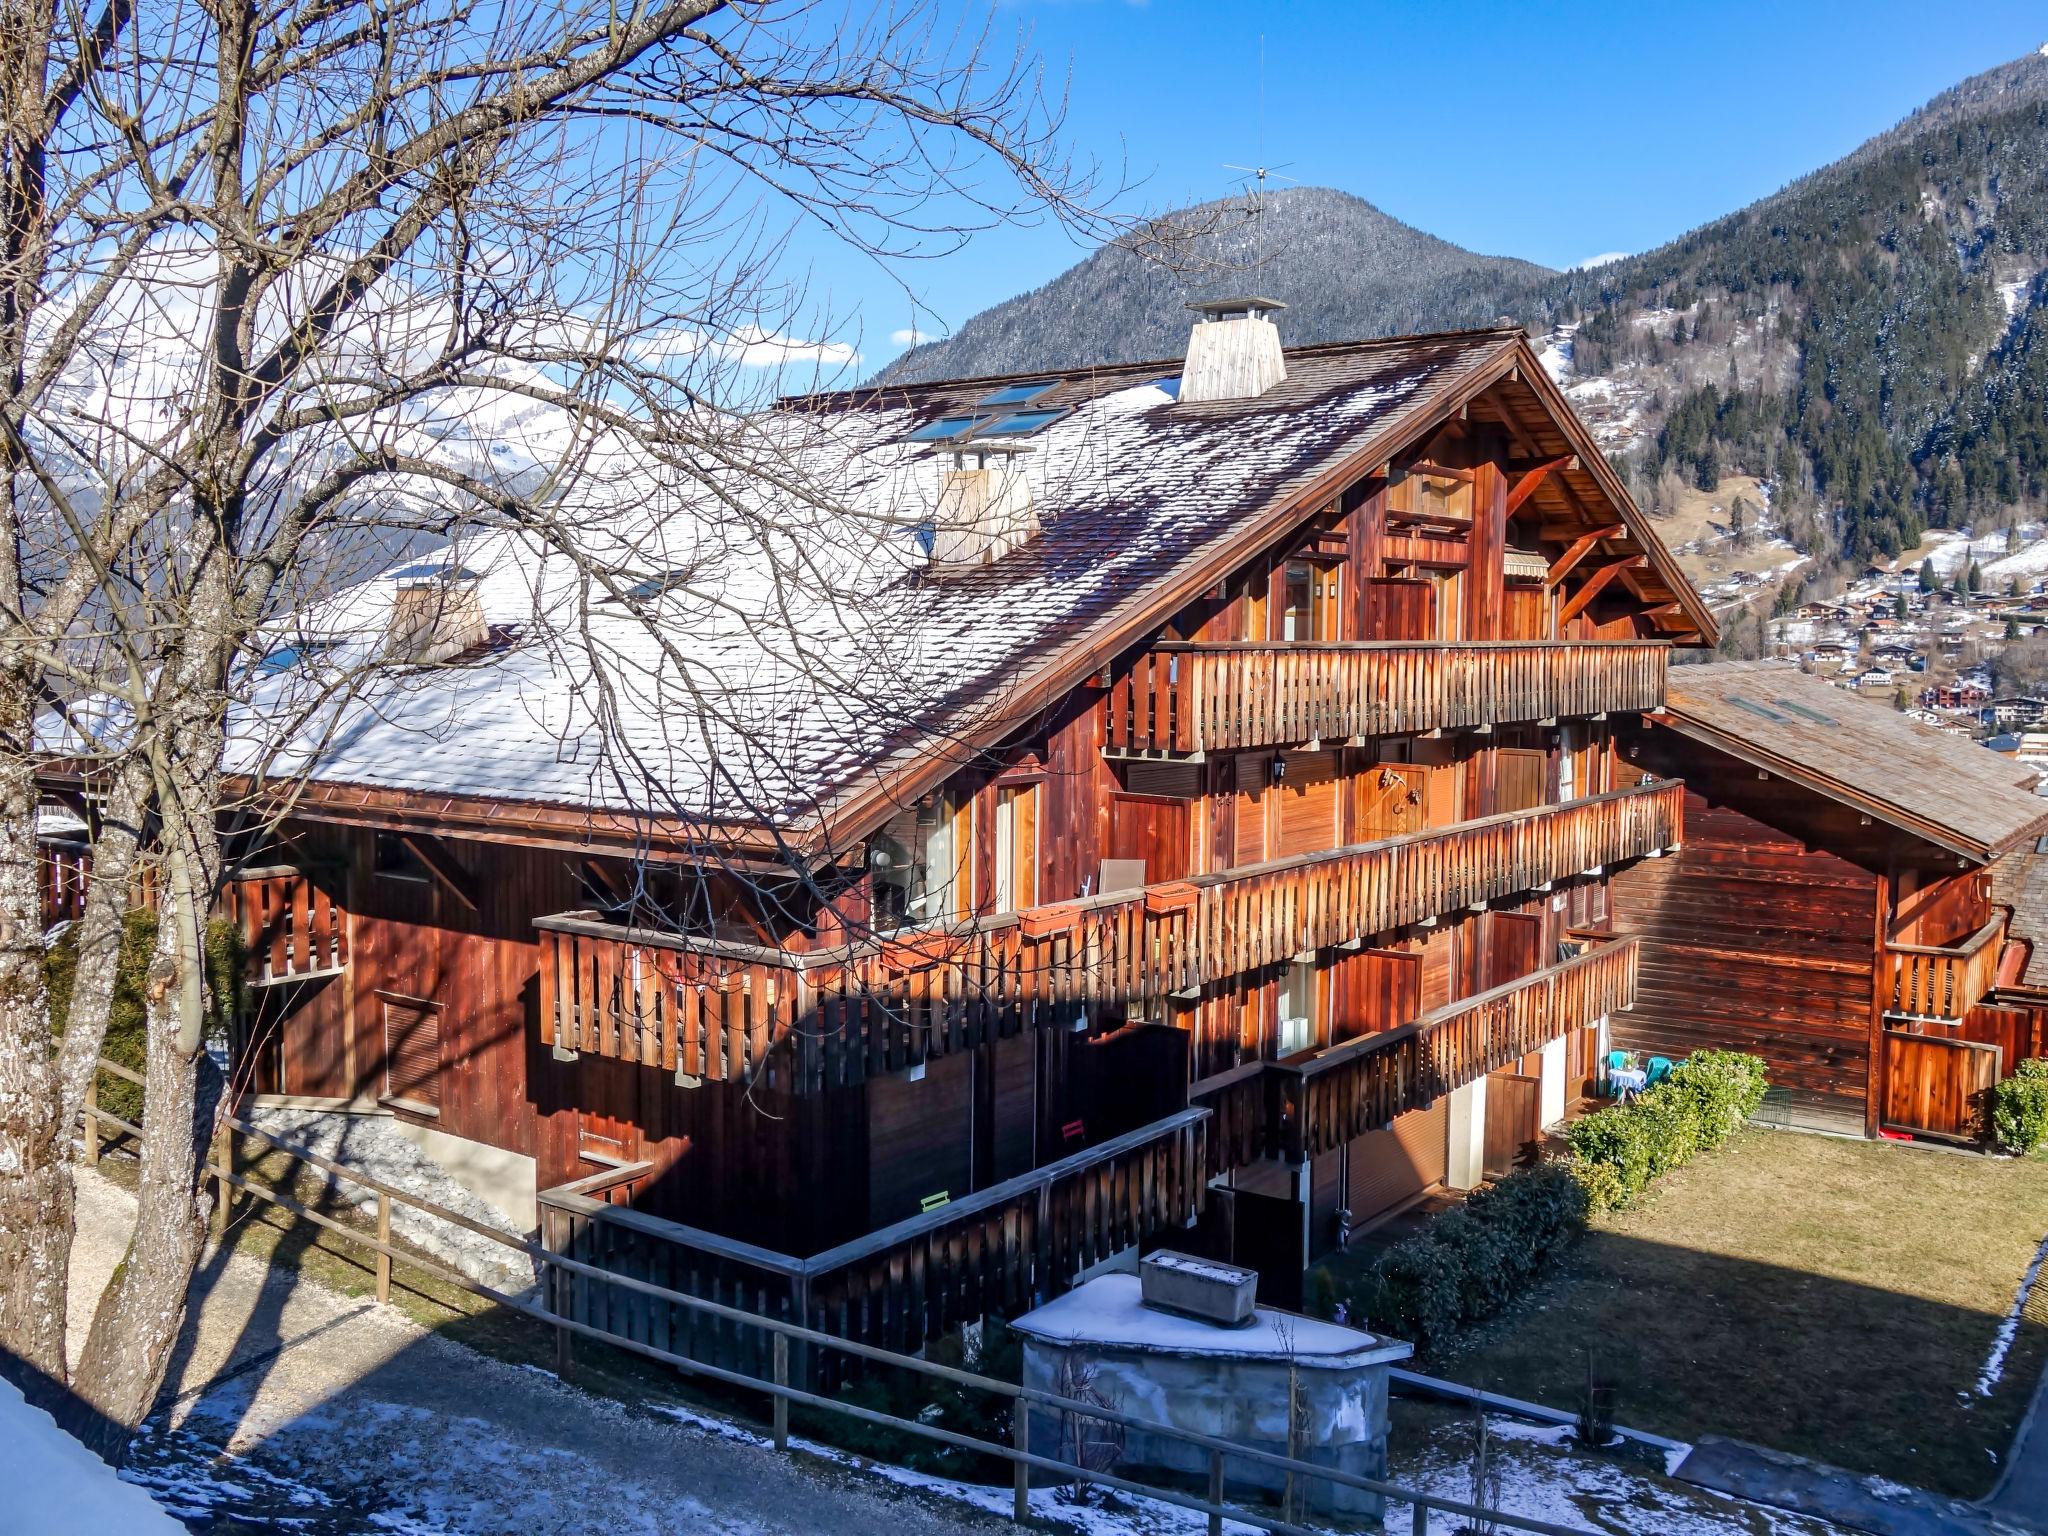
pixel 283 286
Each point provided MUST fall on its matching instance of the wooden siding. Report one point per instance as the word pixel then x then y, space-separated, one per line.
pixel 1753 941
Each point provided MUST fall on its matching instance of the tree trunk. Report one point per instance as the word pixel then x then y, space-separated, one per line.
pixel 35 1175
pixel 100 931
pixel 136 1324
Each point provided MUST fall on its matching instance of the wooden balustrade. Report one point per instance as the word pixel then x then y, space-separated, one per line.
pixel 290 925
pixel 65 872
pixel 1002 1249
pixel 1208 698
pixel 1935 982
pixel 711 1009
pixel 1363 1084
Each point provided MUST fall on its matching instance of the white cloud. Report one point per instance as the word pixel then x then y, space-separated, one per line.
pixel 909 336
pixel 758 348
pixel 1604 259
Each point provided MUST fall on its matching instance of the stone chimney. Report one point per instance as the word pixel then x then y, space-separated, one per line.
pixel 435 615
pixel 985 508
pixel 1233 351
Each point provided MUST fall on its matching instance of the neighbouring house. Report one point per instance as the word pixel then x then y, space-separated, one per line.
pixel 1832 908
pixel 1205 831
pixel 2018 709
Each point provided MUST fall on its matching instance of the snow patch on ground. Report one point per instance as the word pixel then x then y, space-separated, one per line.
pixel 371 1143
pixel 55 1484
pixel 2009 1326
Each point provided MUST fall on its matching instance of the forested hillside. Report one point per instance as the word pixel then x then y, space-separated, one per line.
pixel 1871 341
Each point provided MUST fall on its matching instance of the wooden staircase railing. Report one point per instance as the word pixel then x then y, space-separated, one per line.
pixel 705 1008
pixel 1207 698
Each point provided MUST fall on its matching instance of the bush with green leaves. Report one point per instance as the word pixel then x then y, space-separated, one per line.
pixel 2019 1108
pixel 1468 1262
pixel 128 1017
pixel 1619 1152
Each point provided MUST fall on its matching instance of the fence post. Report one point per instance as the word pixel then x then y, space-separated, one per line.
pixel 1020 1438
pixel 92 1119
pixel 1418 1522
pixel 383 1258
pixel 223 1158
pixel 781 1386
pixel 1216 1493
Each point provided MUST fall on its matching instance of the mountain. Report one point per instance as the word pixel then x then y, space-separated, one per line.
pixel 1868 345
pixel 1344 268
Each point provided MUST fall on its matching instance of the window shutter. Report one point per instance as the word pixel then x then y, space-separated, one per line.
pixel 1308 803
pixel 1146 776
pixel 412 1053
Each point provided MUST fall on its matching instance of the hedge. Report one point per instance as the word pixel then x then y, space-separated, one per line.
pixel 1468 1262
pixel 1620 1152
pixel 2019 1108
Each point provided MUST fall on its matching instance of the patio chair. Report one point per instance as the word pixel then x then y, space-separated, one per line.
pixel 1617 1061
pixel 1659 1068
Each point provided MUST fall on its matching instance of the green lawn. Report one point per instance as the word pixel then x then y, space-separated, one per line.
pixel 1832 1298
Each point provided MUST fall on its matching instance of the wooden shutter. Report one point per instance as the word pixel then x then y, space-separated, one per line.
pixel 918 1138
pixel 1521 778
pixel 1181 781
pixel 1251 810
pixel 1308 804
pixel 412 1052
pixel 1400 608
pixel 1388 1168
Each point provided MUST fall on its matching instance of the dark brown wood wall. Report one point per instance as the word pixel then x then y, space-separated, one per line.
pixel 1753 941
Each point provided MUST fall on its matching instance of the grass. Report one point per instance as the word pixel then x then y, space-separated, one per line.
pixel 1836 1299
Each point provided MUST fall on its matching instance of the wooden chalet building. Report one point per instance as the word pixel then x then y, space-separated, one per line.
pixel 1236 852
pixel 1833 909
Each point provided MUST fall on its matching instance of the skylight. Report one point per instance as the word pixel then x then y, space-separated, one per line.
pixel 1017 394
pixel 434 570
pixel 946 429
pixel 286 657
pixel 1020 423
pixel 1758 709
pixel 652 586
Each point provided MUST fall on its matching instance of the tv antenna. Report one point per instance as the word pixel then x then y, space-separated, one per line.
pixel 1255 195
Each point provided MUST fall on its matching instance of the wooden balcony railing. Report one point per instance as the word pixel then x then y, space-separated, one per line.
pixel 1207 698
pixel 290 925
pixel 1931 982
pixel 65 871
pixel 707 1008
pixel 1302 1109
pixel 1003 1249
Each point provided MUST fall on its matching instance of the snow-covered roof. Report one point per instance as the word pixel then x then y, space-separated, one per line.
pixel 801 655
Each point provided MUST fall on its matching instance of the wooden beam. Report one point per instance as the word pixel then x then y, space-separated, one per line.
pixel 1438 471
pixel 442 865
pixel 1525 486
pixel 601 875
pixel 1595 584
pixel 1580 547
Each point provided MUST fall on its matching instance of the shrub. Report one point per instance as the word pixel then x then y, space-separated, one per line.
pixel 2019 1108
pixel 1620 1152
pixel 1466 1264
pixel 128 1019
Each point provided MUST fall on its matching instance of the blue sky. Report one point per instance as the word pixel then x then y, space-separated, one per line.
pixel 1553 132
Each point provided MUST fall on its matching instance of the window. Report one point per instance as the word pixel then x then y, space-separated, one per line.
pixel 946 428
pixel 1016 867
pixel 650 586
pixel 395 860
pixel 1297 616
pixel 412 1054
pixel 1020 423
pixel 1017 394
pixel 1297 1023
pixel 918 862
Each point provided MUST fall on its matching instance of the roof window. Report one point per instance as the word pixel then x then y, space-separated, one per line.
pixel 650 586
pixel 1020 423
pixel 1017 394
pixel 946 429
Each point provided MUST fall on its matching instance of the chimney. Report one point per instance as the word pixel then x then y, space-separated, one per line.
pixel 435 614
pixel 1233 351
pixel 985 508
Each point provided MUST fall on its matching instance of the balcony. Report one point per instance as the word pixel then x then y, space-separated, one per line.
pixel 290 926
pixel 1002 1249
pixel 1363 1084
pixel 1187 699
pixel 1944 983
pixel 710 1009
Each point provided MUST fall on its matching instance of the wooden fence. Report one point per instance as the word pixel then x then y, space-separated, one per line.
pixel 65 872
pixel 711 1009
pixel 782 1341
pixel 1003 1250
pixel 1938 1086
pixel 1208 698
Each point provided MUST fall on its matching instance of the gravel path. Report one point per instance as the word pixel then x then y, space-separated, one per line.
pixel 291 1403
